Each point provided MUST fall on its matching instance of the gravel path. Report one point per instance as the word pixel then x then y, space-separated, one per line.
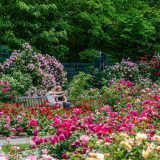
pixel 15 141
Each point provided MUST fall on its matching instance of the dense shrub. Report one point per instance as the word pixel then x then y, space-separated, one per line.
pixel 37 70
pixel 78 84
pixel 150 65
pixel 18 82
pixel 141 72
pixel 5 93
pixel 126 69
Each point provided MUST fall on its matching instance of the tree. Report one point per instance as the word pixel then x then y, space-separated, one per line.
pixel 65 28
pixel 37 23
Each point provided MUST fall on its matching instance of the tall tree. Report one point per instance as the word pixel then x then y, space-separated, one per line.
pixel 67 28
pixel 37 23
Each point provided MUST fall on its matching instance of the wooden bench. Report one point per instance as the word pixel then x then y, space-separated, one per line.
pixel 31 101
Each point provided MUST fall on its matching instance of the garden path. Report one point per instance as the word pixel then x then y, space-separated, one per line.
pixel 15 141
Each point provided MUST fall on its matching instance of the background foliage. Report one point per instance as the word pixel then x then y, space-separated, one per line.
pixel 122 28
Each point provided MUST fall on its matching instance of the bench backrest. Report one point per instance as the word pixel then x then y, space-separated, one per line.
pixel 30 101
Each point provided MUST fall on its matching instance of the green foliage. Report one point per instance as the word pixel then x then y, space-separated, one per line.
pixel 88 54
pixel 39 26
pixel 119 27
pixel 158 83
pixel 78 84
pixel 18 82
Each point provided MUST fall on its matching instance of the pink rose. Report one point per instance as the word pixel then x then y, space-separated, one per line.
pixel 62 137
pixel 64 155
pixel 128 105
pixel 20 129
pixel 13 130
pixel 18 118
pixel 3 157
pixel 32 143
pixel 6 126
pixel 44 151
pixel 31 157
pixel 137 101
pixel 76 111
pixel 32 122
pixel 8 119
pixel 84 138
pixel 35 131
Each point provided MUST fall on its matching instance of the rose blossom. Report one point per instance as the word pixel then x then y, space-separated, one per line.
pixel 35 131
pixel 6 126
pixel 13 130
pixel 128 105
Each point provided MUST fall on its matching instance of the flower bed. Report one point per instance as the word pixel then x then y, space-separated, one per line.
pixel 128 128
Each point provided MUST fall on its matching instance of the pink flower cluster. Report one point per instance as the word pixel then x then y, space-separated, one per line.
pixel 125 83
pixel 9 62
pixel 5 87
pixel 32 122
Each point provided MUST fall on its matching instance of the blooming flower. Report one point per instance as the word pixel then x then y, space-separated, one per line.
pixel 84 138
pixel 64 155
pixel 76 111
pixel 44 151
pixel 128 105
pixel 6 126
pixel 19 129
pixel 62 137
pixel 133 112
pixel 31 157
pixel 141 136
pixel 35 131
pixel 32 122
pixel 13 130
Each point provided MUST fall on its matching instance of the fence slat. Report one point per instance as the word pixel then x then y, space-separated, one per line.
pixel 30 101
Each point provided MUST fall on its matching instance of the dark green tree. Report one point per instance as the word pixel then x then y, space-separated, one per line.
pixel 67 28
pixel 36 22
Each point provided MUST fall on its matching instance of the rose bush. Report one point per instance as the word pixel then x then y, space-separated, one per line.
pixel 146 69
pixel 5 90
pixel 150 65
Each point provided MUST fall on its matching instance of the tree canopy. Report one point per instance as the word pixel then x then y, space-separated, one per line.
pixel 68 29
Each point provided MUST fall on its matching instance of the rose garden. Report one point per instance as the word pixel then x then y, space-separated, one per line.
pixel 79 80
pixel 118 120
